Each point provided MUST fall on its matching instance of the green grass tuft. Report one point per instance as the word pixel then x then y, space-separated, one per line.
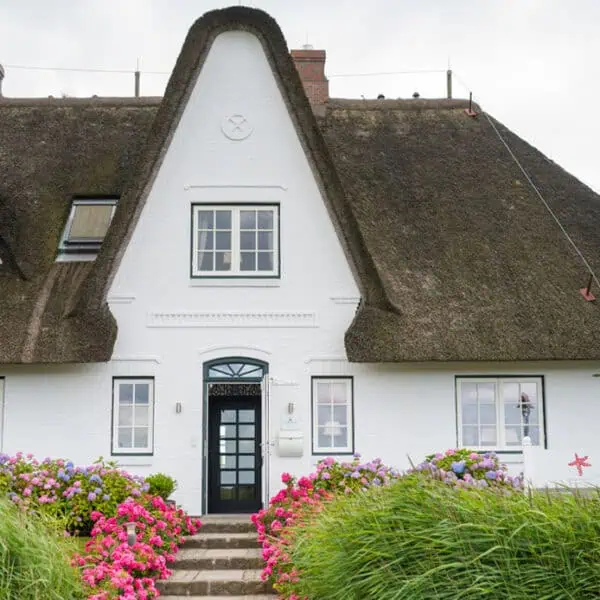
pixel 420 539
pixel 35 558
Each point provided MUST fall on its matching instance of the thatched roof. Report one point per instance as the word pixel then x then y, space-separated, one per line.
pixel 456 257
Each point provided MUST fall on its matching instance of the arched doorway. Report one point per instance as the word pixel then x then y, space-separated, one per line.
pixel 233 416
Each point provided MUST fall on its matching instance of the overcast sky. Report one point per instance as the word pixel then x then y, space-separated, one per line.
pixel 533 64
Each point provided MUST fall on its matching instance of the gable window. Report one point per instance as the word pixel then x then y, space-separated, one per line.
pixel 235 241
pixel 133 416
pixel 497 413
pixel 332 412
pixel 86 227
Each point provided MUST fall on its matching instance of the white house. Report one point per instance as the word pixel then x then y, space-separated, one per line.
pixel 245 275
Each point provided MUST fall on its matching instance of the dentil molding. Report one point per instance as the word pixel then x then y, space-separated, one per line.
pixel 232 319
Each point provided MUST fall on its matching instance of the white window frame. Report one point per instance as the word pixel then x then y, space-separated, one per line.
pixel 349 382
pixel 235 271
pixel 117 381
pixel 498 399
pixel 84 250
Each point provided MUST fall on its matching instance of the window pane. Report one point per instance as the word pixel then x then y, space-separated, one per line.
pixel 486 392
pixel 246 431
pixel 228 446
pixel 513 436
pixel 205 240
pixel 248 262
pixel 247 219
pixel 228 416
pixel 323 391
pixel 142 391
pixel 222 261
pixel 512 414
pixel 246 416
pixel 126 393
pixel 223 219
pixel 487 414
pixel 265 261
pixel 341 439
pixel 246 446
pixel 140 437
pixel 205 219
pixel 205 261
pixel 339 392
pixel 469 414
pixel 323 440
pixel 227 493
pixel 142 414
pixel 246 492
pixel 125 415
pixel 227 461
pixel 323 414
pixel 246 462
pixel 248 240
pixel 223 240
pixel 228 477
pixel 246 477
pixel 470 435
pixel 265 240
pixel 227 431
pixel 90 222
pixel 340 414
pixel 534 434
pixel 488 436
pixel 125 437
pixel 510 393
pixel 265 219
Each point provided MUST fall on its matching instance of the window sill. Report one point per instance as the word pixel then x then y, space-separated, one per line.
pixel 235 283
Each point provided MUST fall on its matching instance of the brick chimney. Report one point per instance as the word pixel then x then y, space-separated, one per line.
pixel 310 64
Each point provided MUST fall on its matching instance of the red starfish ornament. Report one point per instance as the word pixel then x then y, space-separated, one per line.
pixel 579 463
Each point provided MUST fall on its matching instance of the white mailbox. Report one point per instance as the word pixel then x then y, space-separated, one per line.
pixel 290 443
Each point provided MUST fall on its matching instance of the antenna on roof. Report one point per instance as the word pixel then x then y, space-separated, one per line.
pixel 470 110
pixel 136 76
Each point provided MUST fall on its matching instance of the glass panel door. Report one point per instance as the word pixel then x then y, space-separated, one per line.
pixel 234 454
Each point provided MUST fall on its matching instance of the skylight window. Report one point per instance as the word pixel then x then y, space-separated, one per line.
pixel 86 227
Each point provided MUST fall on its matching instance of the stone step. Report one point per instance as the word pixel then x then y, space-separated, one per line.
pixel 219 558
pixel 218 583
pixel 221 540
pixel 227 526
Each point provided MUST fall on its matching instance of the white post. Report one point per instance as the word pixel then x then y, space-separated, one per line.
pixel 528 464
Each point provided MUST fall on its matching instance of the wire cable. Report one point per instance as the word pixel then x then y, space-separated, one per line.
pixel 543 200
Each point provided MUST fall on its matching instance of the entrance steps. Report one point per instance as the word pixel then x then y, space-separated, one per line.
pixel 223 561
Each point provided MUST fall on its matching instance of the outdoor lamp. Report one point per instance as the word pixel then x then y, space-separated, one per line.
pixel 130 533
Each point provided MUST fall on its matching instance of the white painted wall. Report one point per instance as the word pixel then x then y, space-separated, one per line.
pixel 169 325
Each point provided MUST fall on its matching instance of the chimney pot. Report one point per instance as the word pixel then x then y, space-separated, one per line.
pixel 310 64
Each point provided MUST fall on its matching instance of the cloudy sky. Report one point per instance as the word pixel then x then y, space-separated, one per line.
pixel 533 64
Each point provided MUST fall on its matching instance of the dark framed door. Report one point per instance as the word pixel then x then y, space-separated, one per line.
pixel 234 454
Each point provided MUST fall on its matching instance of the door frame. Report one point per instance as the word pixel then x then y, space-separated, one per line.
pixel 260 377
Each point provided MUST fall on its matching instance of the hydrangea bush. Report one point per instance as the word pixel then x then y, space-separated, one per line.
pixel 61 489
pixel 114 570
pixel 466 468
pixel 299 501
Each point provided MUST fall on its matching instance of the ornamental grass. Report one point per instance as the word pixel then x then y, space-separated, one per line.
pixel 421 539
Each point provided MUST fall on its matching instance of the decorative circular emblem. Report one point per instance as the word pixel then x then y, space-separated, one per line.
pixel 236 127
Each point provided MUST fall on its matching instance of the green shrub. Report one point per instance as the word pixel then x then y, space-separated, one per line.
pixel 420 539
pixel 35 558
pixel 161 485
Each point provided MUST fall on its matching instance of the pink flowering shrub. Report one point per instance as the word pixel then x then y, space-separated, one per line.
pixel 299 501
pixel 469 469
pixel 111 569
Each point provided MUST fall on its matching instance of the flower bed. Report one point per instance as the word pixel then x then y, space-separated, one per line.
pixel 113 569
pixel 299 501
pixel 100 500
pixel 61 489
pixel 294 507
